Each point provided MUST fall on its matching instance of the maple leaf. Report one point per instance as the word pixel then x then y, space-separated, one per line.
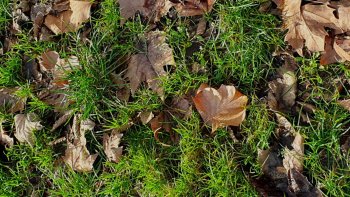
pixel 306 24
pixel 111 146
pixel 77 155
pixel 69 20
pixel 25 125
pixel 153 9
pixel 222 107
pixel 149 66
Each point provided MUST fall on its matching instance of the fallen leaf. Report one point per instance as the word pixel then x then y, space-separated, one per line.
pixel 345 104
pixel 182 108
pixel 222 107
pixel 194 7
pixel 69 20
pixel 283 90
pixel 10 102
pixel 149 66
pixel 333 53
pixel 306 24
pixel 77 155
pixel 293 159
pixel 146 116
pixel 300 186
pixel 5 139
pixel 152 9
pixel 62 120
pixel 111 146
pixel 162 122
pixel 25 125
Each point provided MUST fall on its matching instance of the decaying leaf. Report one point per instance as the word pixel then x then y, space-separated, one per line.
pixel 149 66
pixel 5 139
pixel 345 104
pixel 25 125
pixel 146 116
pixel 62 120
pixel 11 102
pixel 162 122
pixel 194 7
pixel 283 90
pixel 300 186
pixel 111 146
pixel 293 159
pixel 77 155
pixel 152 9
pixel 69 20
pixel 222 107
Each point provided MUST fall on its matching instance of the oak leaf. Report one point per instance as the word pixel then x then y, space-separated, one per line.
pixel 149 66
pixel 69 20
pixel 222 107
pixel 25 125
pixel 111 146
pixel 77 155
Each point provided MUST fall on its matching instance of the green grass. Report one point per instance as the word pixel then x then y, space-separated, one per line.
pixel 237 52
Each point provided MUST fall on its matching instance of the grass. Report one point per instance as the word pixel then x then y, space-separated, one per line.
pixel 238 52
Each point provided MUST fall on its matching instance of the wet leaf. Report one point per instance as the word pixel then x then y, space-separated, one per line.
pixel 25 125
pixel 222 107
pixel 111 146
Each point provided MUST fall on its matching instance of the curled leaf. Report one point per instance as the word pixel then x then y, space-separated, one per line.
pixel 222 107
pixel 111 146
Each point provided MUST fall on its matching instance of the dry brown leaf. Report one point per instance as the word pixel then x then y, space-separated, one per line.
pixel 283 90
pixel 62 120
pixel 306 24
pixel 345 104
pixel 222 107
pixel 25 125
pixel 194 7
pixel 333 53
pixel 11 102
pixel 300 186
pixel 294 158
pixel 111 146
pixel 5 139
pixel 162 122
pixel 77 155
pixel 149 67
pixel 152 9
pixel 146 116
pixel 69 20
pixel 182 107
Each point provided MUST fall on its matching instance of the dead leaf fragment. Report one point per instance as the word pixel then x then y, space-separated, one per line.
pixel 162 122
pixel 293 159
pixel 146 116
pixel 69 20
pixel 222 107
pixel 11 102
pixel 194 7
pixel 149 67
pixel 77 155
pixel 25 125
pixel 111 146
pixel 333 52
pixel 5 139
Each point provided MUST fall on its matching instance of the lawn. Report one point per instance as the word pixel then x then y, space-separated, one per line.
pixel 237 48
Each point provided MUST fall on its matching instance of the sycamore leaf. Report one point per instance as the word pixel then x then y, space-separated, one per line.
pixel 77 155
pixel 5 139
pixel 222 107
pixel 69 20
pixel 25 125
pixel 149 67
pixel 111 146
pixel 152 9
pixel 194 7
pixel 306 24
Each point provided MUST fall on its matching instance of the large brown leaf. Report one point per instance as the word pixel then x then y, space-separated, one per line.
pixel 222 107
pixel 25 125
pixel 152 9
pixel 69 20
pixel 77 155
pixel 149 66
pixel 306 24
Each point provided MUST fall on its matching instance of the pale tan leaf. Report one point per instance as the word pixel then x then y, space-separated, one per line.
pixel 25 125
pixel 222 107
pixel 294 158
pixel 77 156
pixel 146 116
pixel 345 104
pixel 69 20
pixel 111 146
